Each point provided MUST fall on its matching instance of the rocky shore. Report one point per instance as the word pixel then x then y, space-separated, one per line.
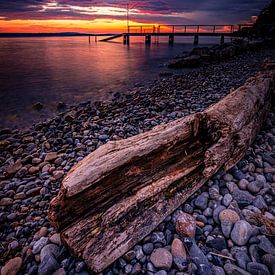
pixel 231 220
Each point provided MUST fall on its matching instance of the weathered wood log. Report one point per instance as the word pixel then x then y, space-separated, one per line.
pixel 123 190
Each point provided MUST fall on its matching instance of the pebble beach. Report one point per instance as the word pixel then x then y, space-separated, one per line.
pixel 232 218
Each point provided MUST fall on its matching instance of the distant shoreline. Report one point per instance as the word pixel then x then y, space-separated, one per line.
pixel 63 34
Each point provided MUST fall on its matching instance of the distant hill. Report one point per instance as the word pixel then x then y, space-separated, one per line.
pixel 60 34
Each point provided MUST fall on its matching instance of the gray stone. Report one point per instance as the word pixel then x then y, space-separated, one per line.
pixel 241 232
pixel 161 258
pixel 197 256
pixel 217 270
pixel 217 212
pixel 255 186
pixel 232 269
pixel 139 252
pixel 266 245
pixel 48 266
pixel 243 184
pixel 227 199
pixel 268 260
pixel 226 228
pixel 257 268
pixel 158 237
pixel 38 245
pixel 242 259
pixel 180 263
pixel 202 201
pixel 49 250
pixel 259 202
pixel 243 198
pixel 148 248
pixel 161 272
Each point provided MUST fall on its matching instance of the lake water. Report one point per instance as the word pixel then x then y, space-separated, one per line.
pixel 69 69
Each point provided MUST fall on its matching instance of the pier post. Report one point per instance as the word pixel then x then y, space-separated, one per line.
pixel 222 39
pixel 126 39
pixel 196 40
pixel 89 39
pixel 171 39
pixel 148 39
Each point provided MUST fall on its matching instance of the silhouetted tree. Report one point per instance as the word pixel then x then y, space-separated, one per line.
pixel 265 24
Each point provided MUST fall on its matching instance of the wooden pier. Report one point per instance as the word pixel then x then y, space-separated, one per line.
pixel 172 31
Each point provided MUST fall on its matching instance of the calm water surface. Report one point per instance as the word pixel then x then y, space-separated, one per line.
pixel 50 70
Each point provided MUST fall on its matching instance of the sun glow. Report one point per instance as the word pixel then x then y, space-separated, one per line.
pixel 83 26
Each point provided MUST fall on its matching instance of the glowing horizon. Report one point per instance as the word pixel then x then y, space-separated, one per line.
pixel 107 16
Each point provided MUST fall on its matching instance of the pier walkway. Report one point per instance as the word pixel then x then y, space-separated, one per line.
pixel 171 31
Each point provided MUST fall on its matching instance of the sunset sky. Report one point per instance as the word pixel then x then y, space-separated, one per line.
pixel 110 15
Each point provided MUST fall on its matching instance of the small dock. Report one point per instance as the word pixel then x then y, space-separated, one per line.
pixel 172 31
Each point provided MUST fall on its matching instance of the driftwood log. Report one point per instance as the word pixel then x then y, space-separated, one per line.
pixel 119 193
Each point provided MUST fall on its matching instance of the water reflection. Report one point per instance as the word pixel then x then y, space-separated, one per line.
pixel 49 70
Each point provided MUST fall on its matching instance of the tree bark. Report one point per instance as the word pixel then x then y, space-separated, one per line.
pixel 119 193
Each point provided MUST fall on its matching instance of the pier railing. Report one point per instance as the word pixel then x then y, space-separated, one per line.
pixel 154 29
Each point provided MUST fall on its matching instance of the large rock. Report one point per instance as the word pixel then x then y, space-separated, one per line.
pixel 12 266
pixel 186 225
pixel 162 258
pixel 197 257
pixel 178 249
pixel 229 215
pixel 241 232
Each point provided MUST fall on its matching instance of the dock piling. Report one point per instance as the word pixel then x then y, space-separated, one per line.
pixel 196 40
pixel 222 39
pixel 126 39
pixel 148 39
pixel 171 39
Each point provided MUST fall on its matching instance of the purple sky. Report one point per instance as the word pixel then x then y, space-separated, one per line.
pixel 156 11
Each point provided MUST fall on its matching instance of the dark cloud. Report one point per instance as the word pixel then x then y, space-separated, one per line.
pixel 206 11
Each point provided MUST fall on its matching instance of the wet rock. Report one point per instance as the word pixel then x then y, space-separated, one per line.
pixel 161 258
pixel 185 225
pixel 12 266
pixel 38 106
pixel 241 232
